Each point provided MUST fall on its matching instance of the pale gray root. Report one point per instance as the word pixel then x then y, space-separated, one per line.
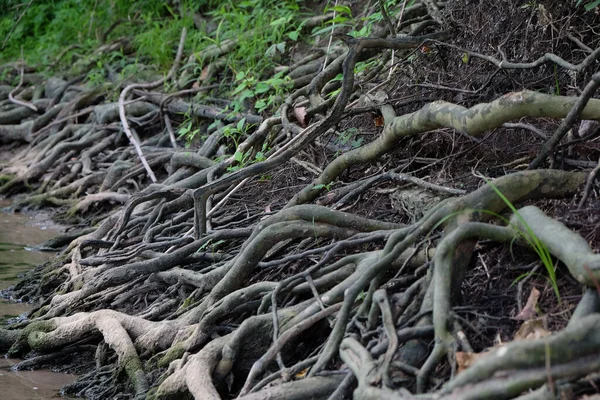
pixel 472 121
pixel 88 201
pixel 366 370
pixel 563 243
pixel 443 280
pixel 15 133
pixel 123 333
pixel 318 388
pixel 109 112
pixel 215 361
pixel 573 352
pixel 529 222
pixel 516 187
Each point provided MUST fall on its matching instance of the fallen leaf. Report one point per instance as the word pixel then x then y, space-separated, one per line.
pixel 205 72
pixel 464 360
pixel 300 114
pixel 529 310
pixel 531 330
pixel 301 374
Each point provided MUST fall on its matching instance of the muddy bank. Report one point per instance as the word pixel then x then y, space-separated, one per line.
pixel 19 232
pixel 30 385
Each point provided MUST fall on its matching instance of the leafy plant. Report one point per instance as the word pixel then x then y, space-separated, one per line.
pixel 44 29
pixel 256 32
pixel 348 136
pixel 323 186
pixel 186 129
pixel 235 133
pixel 342 18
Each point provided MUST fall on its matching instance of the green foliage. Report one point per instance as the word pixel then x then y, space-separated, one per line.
pixel 186 129
pixel 262 30
pixel 348 137
pixel 589 6
pixel 266 93
pixel 235 133
pixel 259 27
pixel 322 186
pixel 47 27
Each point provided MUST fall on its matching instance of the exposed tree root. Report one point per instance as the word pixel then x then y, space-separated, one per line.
pixel 207 274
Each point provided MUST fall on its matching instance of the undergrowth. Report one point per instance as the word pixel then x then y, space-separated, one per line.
pixel 44 29
pixel 263 34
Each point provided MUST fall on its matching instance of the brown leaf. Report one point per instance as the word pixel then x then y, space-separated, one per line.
pixel 379 121
pixel 464 360
pixel 300 114
pixel 205 72
pixel 532 329
pixel 529 310
pixel 302 373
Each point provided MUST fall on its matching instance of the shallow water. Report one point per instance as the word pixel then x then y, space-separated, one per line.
pixel 18 233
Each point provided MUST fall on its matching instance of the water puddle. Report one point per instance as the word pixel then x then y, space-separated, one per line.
pixel 30 385
pixel 18 233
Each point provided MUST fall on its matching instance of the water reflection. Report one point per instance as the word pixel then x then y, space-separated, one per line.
pixel 18 232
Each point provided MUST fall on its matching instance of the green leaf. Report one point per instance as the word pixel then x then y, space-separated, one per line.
pixel 246 93
pixel 238 156
pixel 363 32
pixel 337 20
pixel 334 93
pixel 279 21
pixel 592 5
pixel 239 88
pixel 340 9
pixel 240 124
pixel 294 35
pixel 356 143
pixel 323 30
pixel 260 105
pixel 262 87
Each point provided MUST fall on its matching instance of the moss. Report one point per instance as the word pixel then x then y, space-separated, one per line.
pixel 43 310
pixel 135 372
pixel 176 351
pixel 5 178
pixel 30 337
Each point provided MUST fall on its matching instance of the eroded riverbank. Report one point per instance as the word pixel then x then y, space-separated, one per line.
pixel 19 232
